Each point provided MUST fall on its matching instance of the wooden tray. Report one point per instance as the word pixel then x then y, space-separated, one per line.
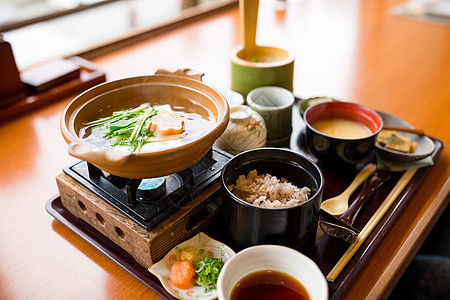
pixel 89 77
pixel 325 259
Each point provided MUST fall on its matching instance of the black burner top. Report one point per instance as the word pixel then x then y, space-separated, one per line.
pixel 132 197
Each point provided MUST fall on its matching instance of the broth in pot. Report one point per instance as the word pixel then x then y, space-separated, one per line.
pixel 161 127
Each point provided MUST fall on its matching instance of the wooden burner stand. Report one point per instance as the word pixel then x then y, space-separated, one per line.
pixel 146 246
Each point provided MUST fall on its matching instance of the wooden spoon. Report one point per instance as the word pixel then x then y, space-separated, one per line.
pixel 339 204
pixel 249 16
pixel 341 227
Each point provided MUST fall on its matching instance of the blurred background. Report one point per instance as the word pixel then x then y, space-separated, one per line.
pixel 40 30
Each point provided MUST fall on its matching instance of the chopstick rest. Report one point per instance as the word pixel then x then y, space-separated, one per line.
pixel 387 203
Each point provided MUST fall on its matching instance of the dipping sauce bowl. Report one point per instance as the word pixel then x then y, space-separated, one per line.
pixel 272 258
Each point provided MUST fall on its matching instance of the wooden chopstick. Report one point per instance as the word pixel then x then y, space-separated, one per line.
pixel 387 203
pixel 404 129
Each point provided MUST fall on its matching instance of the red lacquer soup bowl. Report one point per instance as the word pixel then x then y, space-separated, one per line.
pixel 342 132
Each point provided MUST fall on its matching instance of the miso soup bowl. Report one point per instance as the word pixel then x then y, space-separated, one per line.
pixel 250 225
pixel 276 258
pixel 336 150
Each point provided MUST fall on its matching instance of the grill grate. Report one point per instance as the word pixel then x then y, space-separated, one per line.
pixel 180 188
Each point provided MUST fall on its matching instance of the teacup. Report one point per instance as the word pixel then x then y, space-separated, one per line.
pixel 274 104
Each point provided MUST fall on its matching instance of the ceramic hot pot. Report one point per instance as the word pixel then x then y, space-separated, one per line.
pixel 181 87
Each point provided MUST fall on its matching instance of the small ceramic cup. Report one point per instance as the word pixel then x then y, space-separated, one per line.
pixel 264 66
pixel 245 131
pixel 274 104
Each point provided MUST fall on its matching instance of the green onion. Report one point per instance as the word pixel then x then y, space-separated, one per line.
pixel 118 115
pixel 138 132
pixel 126 127
pixel 207 272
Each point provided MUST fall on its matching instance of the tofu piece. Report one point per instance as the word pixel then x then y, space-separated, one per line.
pixel 391 139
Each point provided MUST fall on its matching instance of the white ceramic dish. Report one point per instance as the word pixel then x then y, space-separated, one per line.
pixel 425 145
pixel 161 269
pixel 245 131
pixel 273 257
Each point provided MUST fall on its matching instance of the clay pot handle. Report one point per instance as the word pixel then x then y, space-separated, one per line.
pixel 186 72
pixel 95 156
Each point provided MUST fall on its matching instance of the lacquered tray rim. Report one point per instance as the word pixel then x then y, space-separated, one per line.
pixel 54 207
pixel 343 281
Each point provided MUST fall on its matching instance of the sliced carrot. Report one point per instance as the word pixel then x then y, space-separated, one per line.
pixel 182 274
pixel 166 123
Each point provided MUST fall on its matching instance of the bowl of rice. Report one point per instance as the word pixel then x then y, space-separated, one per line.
pixel 271 196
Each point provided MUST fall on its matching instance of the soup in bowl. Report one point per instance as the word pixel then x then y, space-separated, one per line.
pixel 271 272
pixel 341 132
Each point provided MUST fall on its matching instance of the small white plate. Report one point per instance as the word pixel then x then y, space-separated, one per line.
pixel 210 246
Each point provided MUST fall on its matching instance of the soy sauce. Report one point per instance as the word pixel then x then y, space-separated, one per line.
pixel 269 285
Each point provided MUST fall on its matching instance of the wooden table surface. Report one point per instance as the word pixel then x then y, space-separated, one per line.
pixel 351 50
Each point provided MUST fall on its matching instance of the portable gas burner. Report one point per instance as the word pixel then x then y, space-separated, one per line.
pixel 145 217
